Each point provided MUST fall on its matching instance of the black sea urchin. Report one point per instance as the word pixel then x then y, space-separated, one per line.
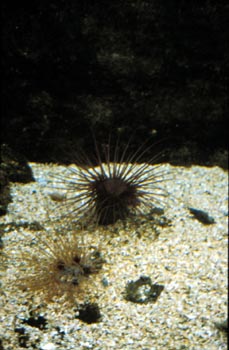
pixel 113 189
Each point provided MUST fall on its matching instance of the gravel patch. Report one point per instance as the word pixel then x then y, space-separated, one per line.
pixel 172 247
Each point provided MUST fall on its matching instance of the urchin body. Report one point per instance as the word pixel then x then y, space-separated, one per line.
pixel 114 197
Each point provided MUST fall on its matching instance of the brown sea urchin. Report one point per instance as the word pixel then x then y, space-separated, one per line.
pixel 114 188
pixel 59 267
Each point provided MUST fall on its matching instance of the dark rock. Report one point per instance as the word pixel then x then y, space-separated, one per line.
pixel 202 216
pixel 89 313
pixel 5 196
pixel 14 166
pixel 36 321
pixel 23 338
pixel 222 326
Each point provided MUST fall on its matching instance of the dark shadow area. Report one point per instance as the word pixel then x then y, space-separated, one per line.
pixel 155 68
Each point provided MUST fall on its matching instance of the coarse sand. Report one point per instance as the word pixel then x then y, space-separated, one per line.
pixel 175 249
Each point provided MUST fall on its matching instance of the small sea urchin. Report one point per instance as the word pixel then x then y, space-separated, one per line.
pixel 59 267
pixel 112 189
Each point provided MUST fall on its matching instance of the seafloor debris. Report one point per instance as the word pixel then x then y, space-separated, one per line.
pixel 142 290
pixel 202 216
pixel 23 338
pixel 15 166
pixel 39 321
pixel 222 326
pixel 89 312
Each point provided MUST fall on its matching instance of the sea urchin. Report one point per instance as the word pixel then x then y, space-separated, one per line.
pixel 59 266
pixel 113 189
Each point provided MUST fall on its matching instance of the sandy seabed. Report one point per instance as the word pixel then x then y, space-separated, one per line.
pixel 189 258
